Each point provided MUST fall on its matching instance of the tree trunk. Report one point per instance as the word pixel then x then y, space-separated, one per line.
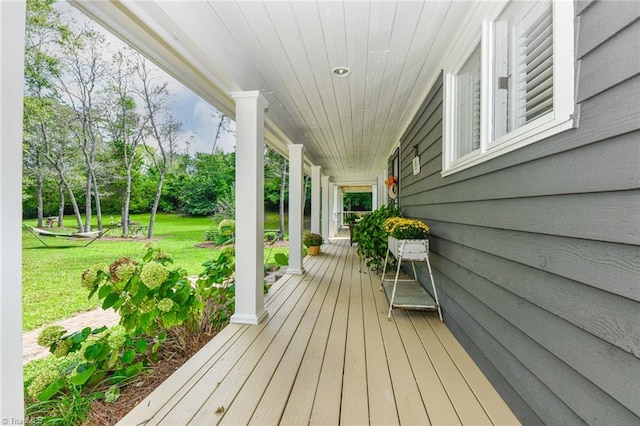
pixel 215 140
pixel 61 204
pixel 97 198
pixel 127 201
pixel 283 183
pixel 39 190
pixel 72 198
pixel 87 200
pixel 156 201
pixel 74 203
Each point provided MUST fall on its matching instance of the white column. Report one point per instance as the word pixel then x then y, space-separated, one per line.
pixel 326 211
pixel 315 199
pixel 12 28
pixel 335 206
pixel 296 215
pixel 340 208
pixel 385 190
pixel 250 108
pixel 374 197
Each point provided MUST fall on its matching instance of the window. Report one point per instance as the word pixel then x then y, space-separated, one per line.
pixel 514 88
pixel 523 90
pixel 467 106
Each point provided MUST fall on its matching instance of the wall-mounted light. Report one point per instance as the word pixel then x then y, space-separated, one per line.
pixel 340 72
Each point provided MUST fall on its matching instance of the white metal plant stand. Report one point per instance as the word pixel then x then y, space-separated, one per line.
pixel 403 293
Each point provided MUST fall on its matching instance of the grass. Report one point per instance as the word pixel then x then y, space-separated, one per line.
pixel 51 276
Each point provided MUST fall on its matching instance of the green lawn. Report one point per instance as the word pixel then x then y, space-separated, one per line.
pixel 51 276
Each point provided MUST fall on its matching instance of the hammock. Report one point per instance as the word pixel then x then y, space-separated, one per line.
pixel 91 236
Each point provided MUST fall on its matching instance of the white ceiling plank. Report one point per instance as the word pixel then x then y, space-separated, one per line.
pixel 286 49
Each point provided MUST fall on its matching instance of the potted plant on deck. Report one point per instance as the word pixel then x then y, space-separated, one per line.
pixel 313 243
pixel 407 237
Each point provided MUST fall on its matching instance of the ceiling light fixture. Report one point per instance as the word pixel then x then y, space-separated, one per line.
pixel 340 71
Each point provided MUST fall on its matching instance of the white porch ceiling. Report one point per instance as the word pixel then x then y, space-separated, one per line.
pixel 287 49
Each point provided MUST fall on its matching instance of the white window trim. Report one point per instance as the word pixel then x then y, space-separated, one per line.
pixel 557 121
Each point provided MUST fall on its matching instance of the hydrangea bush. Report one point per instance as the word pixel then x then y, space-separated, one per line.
pixel 154 300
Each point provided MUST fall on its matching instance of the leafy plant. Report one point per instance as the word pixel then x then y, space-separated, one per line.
pixel 310 239
pixel 154 302
pixel 222 234
pixel 216 288
pixel 281 259
pixel 371 236
pixel 71 408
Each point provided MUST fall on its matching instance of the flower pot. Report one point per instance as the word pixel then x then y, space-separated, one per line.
pixel 313 250
pixel 415 250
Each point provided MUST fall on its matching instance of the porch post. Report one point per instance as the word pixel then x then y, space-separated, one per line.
pixel 334 209
pixel 340 208
pixel 315 199
pixel 325 208
pixel 296 215
pixel 385 191
pixel 374 197
pixel 12 30
pixel 250 108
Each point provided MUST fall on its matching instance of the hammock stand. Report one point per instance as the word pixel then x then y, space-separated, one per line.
pixel 90 236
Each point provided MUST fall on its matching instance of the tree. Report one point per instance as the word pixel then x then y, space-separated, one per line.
pixel 125 125
pixel 84 69
pixel 44 30
pixel 224 126
pixel 52 126
pixel 162 128
pixel 212 178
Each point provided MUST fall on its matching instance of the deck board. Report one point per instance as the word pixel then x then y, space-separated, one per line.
pixel 326 406
pixel 434 395
pixel 300 402
pixel 461 396
pixel 355 401
pixel 409 402
pixel 382 402
pixel 327 354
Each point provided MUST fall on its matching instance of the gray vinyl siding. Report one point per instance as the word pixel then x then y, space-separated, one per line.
pixel 536 253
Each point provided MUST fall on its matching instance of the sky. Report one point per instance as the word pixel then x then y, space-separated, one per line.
pixel 199 119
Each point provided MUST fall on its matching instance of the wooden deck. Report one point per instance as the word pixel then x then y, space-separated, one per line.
pixel 327 355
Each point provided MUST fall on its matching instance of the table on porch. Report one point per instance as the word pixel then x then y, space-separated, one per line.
pixel 327 355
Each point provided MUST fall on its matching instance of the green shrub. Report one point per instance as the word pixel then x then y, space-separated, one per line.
pixel 216 287
pixel 211 234
pixel 310 239
pixel 371 236
pixel 223 234
pixel 270 237
pixel 153 301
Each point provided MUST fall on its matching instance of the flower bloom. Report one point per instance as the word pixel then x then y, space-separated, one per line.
pixel 165 305
pixel 51 335
pixel 41 381
pixel 122 269
pixel 162 257
pixel 90 276
pixel 401 227
pixel 116 337
pixel 154 274
pixel 62 348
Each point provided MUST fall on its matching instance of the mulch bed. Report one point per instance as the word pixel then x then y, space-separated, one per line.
pixel 170 359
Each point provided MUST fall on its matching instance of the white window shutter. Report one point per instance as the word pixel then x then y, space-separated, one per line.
pixel 538 71
pixel 467 106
